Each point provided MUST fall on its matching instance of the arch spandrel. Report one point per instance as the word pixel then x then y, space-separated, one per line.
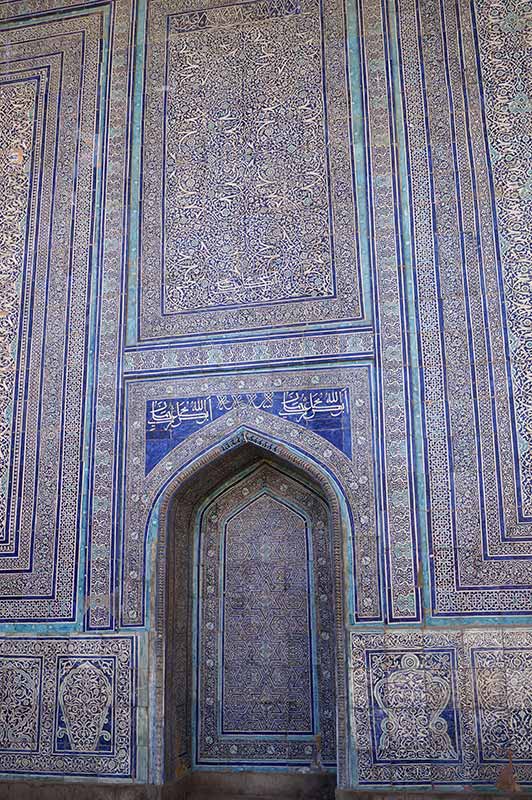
pixel 350 480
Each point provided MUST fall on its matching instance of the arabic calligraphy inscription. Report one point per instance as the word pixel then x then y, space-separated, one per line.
pixel 169 422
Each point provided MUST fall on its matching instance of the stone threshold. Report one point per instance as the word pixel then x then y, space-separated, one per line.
pixel 207 785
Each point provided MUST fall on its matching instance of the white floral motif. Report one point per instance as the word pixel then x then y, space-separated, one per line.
pixel 504 696
pixel 486 674
pixel 19 703
pixel 233 229
pixel 16 123
pixel 413 699
pixel 67 705
pixel 85 696
pixel 257 225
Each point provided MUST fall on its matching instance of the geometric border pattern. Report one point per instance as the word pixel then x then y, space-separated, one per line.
pixel 43 500
pixel 468 298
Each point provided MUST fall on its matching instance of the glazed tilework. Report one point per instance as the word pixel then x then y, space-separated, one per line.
pixel 67 705
pixel 267 678
pixel 386 260
pixel 50 72
pixel 255 224
pixel 502 50
pixel 20 681
pixel 358 343
pixel 474 466
pixel 171 421
pixel 503 698
pixel 392 348
pixel 254 254
pixel 355 474
pixel 441 706
pixel 17 98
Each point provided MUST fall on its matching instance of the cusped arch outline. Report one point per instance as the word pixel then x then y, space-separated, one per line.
pixel 162 763
pixel 345 481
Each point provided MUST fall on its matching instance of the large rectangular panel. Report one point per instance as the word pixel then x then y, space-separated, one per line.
pixel 441 706
pixel 470 245
pixel 67 706
pixel 50 78
pixel 249 216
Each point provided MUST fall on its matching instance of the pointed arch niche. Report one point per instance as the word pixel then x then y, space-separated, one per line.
pixel 248 656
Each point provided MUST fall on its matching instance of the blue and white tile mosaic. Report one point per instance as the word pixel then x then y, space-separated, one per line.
pixel 267 682
pixel 68 705
pixel 169 422
pixel 293 391
pixel 304 224
pixel 441 706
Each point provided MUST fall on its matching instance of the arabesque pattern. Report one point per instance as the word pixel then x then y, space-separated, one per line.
pixel 300 226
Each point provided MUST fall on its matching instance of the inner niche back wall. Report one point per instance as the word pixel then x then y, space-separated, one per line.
pixel 298 226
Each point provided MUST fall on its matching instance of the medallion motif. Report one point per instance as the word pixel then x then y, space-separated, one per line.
pixel 441 706
pixel 67 705
pixel 413 693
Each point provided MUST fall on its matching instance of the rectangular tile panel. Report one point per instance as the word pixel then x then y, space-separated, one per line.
pixel 67 706
pixel 469 198
pixel 248 202
pixel 50 79
pixel 441 706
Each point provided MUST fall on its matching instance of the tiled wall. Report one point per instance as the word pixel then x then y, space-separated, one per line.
pixel 301 224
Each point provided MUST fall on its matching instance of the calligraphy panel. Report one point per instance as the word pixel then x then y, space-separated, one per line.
pixel 169 422
pixel 251 217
